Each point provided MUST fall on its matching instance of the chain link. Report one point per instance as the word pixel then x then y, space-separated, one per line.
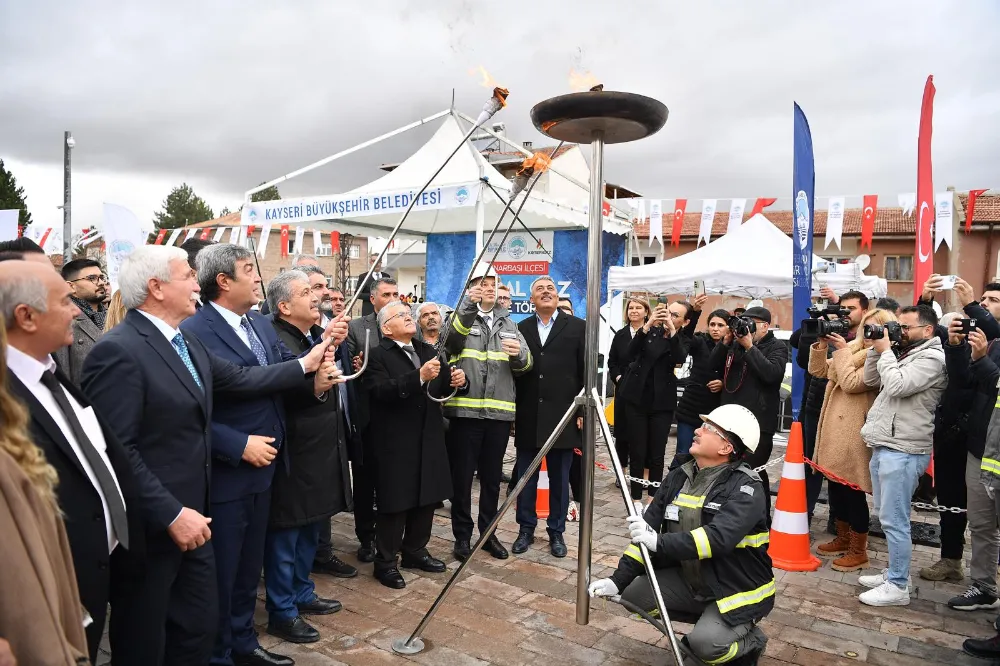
pixel 656 484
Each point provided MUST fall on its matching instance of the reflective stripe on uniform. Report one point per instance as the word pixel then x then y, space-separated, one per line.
pixel 482 403
pixel 480 356
pixel 527 366
pixel 456 323
pixel 689 501
pixel 754 540
pixel 733 649
pixel 990 465
pixel 741 599
pixel 634 552
pixel 701 543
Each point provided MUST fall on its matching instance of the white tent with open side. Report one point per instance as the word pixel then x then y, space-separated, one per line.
pixel 458 199
pixel 755 259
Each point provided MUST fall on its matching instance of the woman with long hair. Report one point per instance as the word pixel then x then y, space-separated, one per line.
pixel 839 447
pixel 702 392
pixel 115 312
pixel 40 611
pixel 636 314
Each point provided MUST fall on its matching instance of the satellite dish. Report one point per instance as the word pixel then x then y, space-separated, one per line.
pixel 863 261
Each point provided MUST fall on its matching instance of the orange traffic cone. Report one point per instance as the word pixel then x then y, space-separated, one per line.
pixel 789 547
pixel 542 494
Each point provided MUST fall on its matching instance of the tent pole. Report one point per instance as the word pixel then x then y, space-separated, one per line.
pixel 343 153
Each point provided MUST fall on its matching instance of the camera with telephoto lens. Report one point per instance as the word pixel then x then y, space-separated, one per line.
pixel 875 332
pixel 741 326
pixel 827 320
pixel 967 326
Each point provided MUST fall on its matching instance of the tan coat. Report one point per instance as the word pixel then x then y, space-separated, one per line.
pixel 40 611
pixel 839 447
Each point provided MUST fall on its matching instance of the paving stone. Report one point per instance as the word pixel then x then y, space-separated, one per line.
pixel 557 647
pixel 858 634
pixel 638 651
pixel 566 628
pixel 823 643
pixel 922 634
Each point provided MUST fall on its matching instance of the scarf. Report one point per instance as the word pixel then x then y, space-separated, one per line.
pixel 97 316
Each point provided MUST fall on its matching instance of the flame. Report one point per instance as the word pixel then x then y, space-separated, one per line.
pixel 580 82
pixel 487 80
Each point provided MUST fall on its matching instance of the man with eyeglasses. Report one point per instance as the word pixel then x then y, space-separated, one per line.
pixel 90 287
pixel 503 296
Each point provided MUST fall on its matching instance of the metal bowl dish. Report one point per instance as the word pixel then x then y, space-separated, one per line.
pixel 621 116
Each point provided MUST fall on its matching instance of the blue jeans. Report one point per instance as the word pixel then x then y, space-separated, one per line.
pixel 685 437
pixel 288 558
pixel 558 462
pixel 894 478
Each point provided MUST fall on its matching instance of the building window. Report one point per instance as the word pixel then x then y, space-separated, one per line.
pixel 354 252
pixel 325 251
pixel 899 268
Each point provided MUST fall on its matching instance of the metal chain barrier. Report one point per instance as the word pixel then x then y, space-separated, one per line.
pixel 645 483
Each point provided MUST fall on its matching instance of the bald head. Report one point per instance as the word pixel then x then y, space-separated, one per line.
pixel 36 306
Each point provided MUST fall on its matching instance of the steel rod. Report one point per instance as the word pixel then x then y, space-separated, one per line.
pixel 491 528
pixel 630 507
pixel 67 207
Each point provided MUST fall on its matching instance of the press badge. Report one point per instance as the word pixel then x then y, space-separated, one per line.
pixel 673 512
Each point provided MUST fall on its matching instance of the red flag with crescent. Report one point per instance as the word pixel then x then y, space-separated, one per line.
pixel 675 232
pixel 204 234
pixel 284 240
pixel 970 208
pixel 335 242
pixel 868 220
pixel 923 264
pixel 161 234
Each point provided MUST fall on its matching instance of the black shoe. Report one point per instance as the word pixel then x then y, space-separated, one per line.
pixel 495 548
pixel 984 648
pixel 261 657
pixel 462 550
pixel 974 599
pixel 391 578
pixel 295 631
pixel 523 541
pixel 557 545
pixel 425 563
pixel 366 553
pixel 504 477
pixel 334 566
pixel 319 606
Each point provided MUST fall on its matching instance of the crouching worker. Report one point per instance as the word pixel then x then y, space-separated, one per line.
pixel 706 531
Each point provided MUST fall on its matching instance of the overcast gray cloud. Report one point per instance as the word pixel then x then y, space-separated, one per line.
pixel 227 94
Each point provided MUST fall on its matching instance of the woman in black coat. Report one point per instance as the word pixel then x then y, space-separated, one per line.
pixel 636 314
pixel 701 393
pixel 649 389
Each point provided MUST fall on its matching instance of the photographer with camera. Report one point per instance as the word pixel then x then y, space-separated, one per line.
pixel 985 312
pixel 899 429
pixel 702 392
pixel 752 363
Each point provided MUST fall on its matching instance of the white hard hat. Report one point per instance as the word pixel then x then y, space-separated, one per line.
pixel 483 270
pixel 736 420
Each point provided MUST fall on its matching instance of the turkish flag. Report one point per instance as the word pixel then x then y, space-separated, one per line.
pixel 923 264
pixel 675 231
pixel 868 219
pixel 970 209
pixel 284 240
pixel 204 234
pixel 606 208
pixel 761 204
pixel 160 236
pixel 335 242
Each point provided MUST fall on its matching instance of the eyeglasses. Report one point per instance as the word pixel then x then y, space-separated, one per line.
pixel 404 315
pixel 715 431
pixel 95 279
pixel 906 327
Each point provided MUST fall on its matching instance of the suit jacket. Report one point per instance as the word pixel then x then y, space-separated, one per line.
pixel 137 381
pixel 365 289
pixel 356 344
pixel 235 418
pixel 70 358
pixel 83 511
pixel 545 392
pixel 406 435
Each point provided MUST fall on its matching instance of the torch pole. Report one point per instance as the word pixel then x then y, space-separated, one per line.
pixel 590 376
pixel 67 198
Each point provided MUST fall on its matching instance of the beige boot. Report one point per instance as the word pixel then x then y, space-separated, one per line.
pixel 857 554
pixel 840 544
pixel 943 569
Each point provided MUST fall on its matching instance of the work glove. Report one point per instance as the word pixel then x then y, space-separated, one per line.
pixel 641 533
pixel 603 587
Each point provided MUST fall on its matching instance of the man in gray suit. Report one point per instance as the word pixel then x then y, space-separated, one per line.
pixel 367 289
pixel 90 287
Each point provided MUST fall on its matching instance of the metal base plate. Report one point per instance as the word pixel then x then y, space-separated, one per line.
pixel 400 646
pixel 620 116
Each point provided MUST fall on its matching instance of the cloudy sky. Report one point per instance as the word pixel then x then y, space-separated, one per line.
pixel 226 94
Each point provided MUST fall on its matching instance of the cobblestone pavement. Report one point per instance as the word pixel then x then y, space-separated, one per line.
pixel 522 611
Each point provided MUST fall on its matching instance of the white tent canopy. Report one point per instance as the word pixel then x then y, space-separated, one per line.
pixel 754 259
pixel 456 201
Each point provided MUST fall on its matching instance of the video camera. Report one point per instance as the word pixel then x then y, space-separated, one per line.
pixel 875 332
pixel 741 326
pixel 826 320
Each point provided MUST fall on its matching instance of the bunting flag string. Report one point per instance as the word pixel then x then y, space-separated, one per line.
pixel 335 242
pixel 204 234
pixel 736 208
pixel 834 221
pixel 707 218
pixel 907 201
pixel 761 204
pixel 655 221
pixel 317 241
pixel 970 208
pixel 299 233
pixel 284 240
pixel 680 205
pixel 160 235
pixel 190 234
pixel 943 218
pixel 218 234
pixel 173 237
pixel 265 234
pixel 868 216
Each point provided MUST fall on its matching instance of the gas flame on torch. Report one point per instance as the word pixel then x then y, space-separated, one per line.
pixel 582 81
pixel 496 102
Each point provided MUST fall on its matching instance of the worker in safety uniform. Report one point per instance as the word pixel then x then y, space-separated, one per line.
pixel 706 531
pixel 485 343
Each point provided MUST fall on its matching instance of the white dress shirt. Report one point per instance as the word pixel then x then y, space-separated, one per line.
pixel 545 329
pixel 168 331
pixel 488 318
pixel 633 331
pixel 234 321
pixel 30 371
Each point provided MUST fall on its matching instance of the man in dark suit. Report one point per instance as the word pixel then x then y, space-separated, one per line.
pixel 96 488
pixel 557 344
pixel 155 387
pixel 89 284
pixel 407 441
pixel 367 291
pixel 248 437
pixel 383 292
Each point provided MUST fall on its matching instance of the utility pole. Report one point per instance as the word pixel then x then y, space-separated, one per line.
pixel 68 143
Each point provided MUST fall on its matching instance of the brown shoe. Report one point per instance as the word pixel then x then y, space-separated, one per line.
pixel 838 546
pixel 944 569
pixel 857 554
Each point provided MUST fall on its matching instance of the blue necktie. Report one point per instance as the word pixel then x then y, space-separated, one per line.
pixel 182 350
pixel 255 346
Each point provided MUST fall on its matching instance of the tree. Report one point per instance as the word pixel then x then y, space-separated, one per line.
pixel 12 196
pixel 267 194
pixel 181 208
